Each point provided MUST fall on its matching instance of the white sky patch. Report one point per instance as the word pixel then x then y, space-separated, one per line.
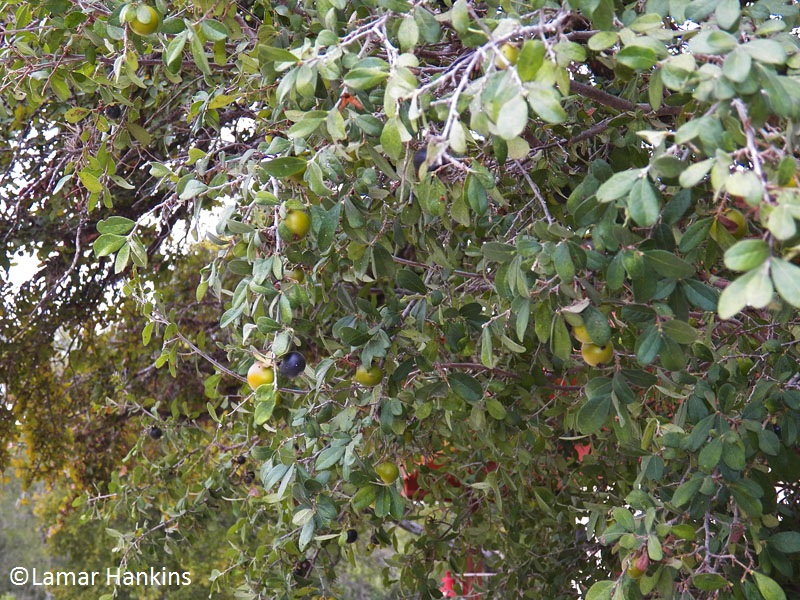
pixel 23 268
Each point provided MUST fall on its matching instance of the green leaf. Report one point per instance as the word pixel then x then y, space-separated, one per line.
pixel 459 16
pixel 364 497
pixel 90 181
pixel 597 326
pixel 709 581
pixel 700 295
pixel 495 409
pixel 511 344
pixel 335 124
pixel 304 127
pixel 272 53
pixel 284 166
pixel 747 185
pixel 365 78
pixel 530 59
pixel 138 252
pixel 745 255
pixel 325 223
pixel 728 13
pixel 408 280
pixel 684 531
pixel 602 40
pixel 743 496
pixel 198 53
pixel 306 534
pixel 738 64
pixel 624 518
pixel 786 277
pixel 768 442
pixel 654 550
pixel 329 457
pixel 263 410
pixel 521 308
pixel 695 173
pixel 618 185
pixel 754 288
pixel 408 33
pixel 391 141
pixel 139 133
pixel 601 590
pixel 712 42
pixel 679 331
pixel 476 195
pixel 560 340
pixel 191 189
pixel 562 261
pixel 73 115
pixel 644 203
pixel 648 345
pixel 638 58
pixel 487 349
pixel 121 261
pixel 592 415
pixel 397 505
pixel 768 587
pixel 621 389
pixel 710 455
pixel 428 26
pixel 465 386
pixel 174 53
pixel 781 221
pixel 766 51
pixel 213 30
pixel 108 243
pixel 545 102
pixel 699 434
pixel 686 491
pixel 669 265
pixel 498 252
pixel 147 332
pixel 118 225
pixel 786 542
pixel 514 119
pixel 696 233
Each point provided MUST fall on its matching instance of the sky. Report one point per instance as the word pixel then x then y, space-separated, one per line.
pixel 22 269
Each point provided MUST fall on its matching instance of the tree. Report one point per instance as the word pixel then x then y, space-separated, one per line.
pixel 499 194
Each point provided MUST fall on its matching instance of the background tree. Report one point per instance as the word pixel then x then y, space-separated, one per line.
pixel 537 257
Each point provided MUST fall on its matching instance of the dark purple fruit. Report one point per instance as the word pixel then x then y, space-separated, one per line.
pixel 302 568
pixel 352 536
pixel 292 364
pixel 420 156
pixel 249 478
pixel 240 460
pixel 155 433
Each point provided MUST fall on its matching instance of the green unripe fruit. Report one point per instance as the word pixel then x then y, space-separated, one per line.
pixel 388 472
pixel 297 224
pixel 581 334
pixel 260 374
pixel 595 355
pixel 508 56
pixel 145 20
pixel 368 377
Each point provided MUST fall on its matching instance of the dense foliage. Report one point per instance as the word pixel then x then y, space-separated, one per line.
pixel 538 258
